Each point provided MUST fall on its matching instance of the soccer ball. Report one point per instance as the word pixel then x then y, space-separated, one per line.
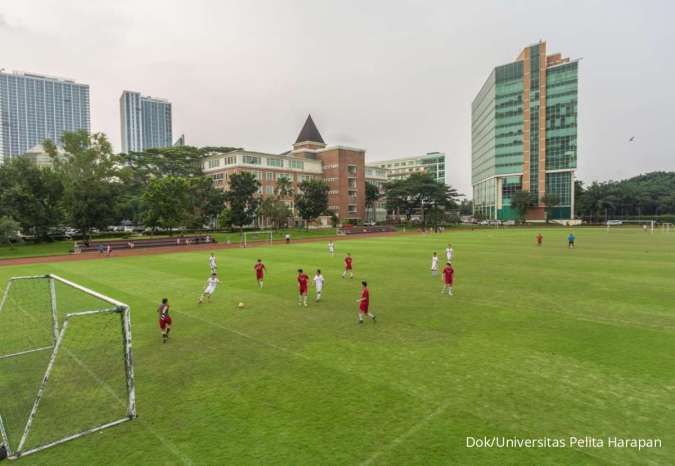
pixel 240 305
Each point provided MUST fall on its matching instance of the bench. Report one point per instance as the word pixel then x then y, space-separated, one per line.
pixel 358 230
pixel 117 244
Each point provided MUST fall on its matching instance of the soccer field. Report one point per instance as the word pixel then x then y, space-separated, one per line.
pixel 537 342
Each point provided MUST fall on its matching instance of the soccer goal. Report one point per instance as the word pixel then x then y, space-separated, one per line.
pixel 66 367
pixel 256 237
pixel 645 225
pixel 666 227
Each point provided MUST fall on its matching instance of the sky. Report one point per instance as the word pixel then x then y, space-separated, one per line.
pixel 395 78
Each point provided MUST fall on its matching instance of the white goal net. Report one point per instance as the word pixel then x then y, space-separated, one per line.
pixel 66 367
pixel 256 237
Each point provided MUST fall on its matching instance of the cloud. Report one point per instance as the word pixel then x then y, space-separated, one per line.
pixel 3 22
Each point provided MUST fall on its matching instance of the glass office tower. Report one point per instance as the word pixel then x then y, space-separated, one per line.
pixel 35 107
pixel 524 135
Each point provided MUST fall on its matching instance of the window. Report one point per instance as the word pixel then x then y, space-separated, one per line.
pixel 213 163
pixel 275 162
pixel 297 164
pixel 269 189
pixel 269 176
pixel 251 160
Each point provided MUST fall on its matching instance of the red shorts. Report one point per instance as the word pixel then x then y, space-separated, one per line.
pixel 448 282
pixel 164 321
pixel 363 309
pixel 259 276
pixel 303 291
pixel 348 267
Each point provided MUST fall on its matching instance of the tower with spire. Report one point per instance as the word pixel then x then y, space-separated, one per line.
pixel 309 137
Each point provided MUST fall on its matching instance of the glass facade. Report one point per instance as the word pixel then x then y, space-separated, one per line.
pixel 34 108
pixel 561 117
pixel 498 126
pixel 146 122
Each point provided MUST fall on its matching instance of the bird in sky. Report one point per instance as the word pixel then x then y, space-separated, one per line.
pixel 632 139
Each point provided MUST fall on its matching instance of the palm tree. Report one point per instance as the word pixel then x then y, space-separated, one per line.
pixel 284 187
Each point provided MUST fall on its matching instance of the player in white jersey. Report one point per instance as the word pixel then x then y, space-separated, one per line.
pixel 211 284
pixel 434 265
pixel 212 263
pixel 331 248
pixel 318 284
pixel 449 253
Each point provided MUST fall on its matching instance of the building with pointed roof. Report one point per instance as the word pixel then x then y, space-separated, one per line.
pixel 342 168
pixel 309 137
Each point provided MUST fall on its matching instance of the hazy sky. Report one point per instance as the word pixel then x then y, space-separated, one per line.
pixel 393 77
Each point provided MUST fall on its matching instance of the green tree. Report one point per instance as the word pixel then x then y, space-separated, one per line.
pixel 283 187
pixel 312 200
pixel 90 180
pixel 372 196
pixel 522 201
pixel 550 201
pixel 420 191
pixel 242 200
pixel 466 207
pixel 9 230
pixel 166 202
pixel 225 219
pixel 183 161
pixel 274 210
pixel 31 195
pixel 205 201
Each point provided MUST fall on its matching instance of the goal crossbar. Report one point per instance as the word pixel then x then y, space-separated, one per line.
pixel 59 333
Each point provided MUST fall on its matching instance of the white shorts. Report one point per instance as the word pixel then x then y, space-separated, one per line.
pixel 209 290
pixel 319 289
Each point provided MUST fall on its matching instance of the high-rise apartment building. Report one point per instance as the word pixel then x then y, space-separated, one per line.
pixel 146 122
pixel 524 135
pixel 36 107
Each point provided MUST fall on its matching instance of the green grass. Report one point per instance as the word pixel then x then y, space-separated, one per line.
pixel 536 342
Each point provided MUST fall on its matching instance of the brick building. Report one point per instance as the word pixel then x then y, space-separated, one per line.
pixel 342 168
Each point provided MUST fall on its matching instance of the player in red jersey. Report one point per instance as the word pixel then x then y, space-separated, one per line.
pixel 540 239
pixel 259 272
pixel 348 266
pixel 164 319
pixel 448 278
pixel 364 302
pixel 302 288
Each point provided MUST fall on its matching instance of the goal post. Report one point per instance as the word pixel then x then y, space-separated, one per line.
pixel 646 225
pixel 66 363
pixel 256 237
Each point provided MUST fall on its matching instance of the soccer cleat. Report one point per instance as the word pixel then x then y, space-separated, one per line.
pixel 374 319
pixel 360 321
